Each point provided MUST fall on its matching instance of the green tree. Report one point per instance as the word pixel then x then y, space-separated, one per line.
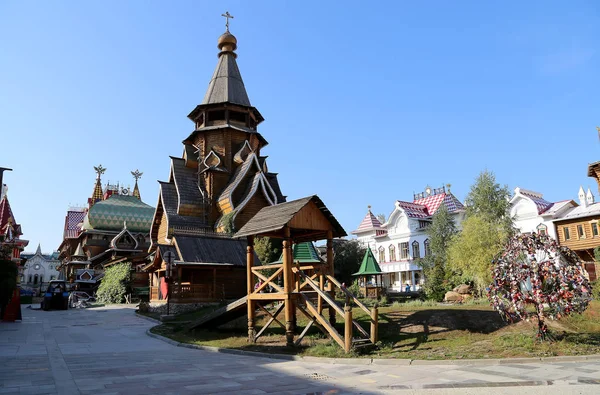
pixel 440 234
pixel 472 251
pixel 490 201
pixel 267 249
pixel 348 255
pixel 115 283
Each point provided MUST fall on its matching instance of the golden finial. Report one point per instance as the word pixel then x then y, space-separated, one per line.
pixel 369 208
pixel 136 174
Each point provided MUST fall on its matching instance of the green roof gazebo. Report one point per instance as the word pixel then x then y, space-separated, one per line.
pixel 370 268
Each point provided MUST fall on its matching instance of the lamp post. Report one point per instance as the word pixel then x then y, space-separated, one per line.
pixel 169 259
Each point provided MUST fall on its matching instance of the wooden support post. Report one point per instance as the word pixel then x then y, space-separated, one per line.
pixel 250 288
pixel 287 288
pixel 320 299
pixel 347 328
pixel 249 264
pixel 374 324
pixel 251 315
pixel 331 272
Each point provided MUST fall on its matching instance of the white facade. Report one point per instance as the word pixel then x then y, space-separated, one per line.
pixel 532 213
pixel 39 269
pixel 402 240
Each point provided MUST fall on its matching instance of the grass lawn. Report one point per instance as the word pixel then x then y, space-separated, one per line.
pixel 415 330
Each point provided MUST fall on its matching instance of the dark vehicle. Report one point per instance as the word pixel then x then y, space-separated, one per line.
pixel 56 296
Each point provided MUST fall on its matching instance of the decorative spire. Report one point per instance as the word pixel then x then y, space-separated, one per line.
pixel 3 187
pixel 97 194
pixel 39 250
pixel 137 175
pixel 226 85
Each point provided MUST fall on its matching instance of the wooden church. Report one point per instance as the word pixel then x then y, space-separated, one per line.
pixel 218 184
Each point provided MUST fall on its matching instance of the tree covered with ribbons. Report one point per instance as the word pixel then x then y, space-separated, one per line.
pixel 535 278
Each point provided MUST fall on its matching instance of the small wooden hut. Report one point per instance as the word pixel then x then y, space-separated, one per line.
pixel 307 287
pixel 369 277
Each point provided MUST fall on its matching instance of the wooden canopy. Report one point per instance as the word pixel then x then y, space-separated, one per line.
pixel 307 219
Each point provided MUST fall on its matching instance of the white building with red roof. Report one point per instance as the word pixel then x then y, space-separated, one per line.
pixel 402 240
pixel 532 213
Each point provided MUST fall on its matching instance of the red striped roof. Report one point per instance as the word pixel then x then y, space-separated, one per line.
pixel 370 222
pixel 541 203
pixel 427 206
pixel 6 216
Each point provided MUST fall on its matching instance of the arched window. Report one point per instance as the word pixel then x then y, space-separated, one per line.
pixel 30 279
pixel 416 253
pixel 381 254
pixel 542 230
pixel 427 247
pixel 392 253
pixel 35 279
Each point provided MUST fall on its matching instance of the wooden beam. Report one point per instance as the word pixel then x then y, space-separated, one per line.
pixel 287 287
pixel 330 329
pixel 323 294
pixel 304 332
pixel 268 281
pixel 264 328
pixel 347 328
pixel 273 315
pixel 267 296
pixel 250 263
pixel 267 267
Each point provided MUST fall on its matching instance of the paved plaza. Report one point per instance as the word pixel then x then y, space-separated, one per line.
pixel 107 351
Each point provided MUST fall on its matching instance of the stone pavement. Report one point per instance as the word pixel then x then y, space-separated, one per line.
pixel 106 351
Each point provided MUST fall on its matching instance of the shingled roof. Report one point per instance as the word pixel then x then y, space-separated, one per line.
pixel 212 250
pixel 274 218
pixel 226 85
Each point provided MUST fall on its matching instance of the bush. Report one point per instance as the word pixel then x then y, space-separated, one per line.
pixel 115 284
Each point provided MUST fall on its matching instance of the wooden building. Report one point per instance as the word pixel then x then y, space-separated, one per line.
pixel 218 184
pixel 579 227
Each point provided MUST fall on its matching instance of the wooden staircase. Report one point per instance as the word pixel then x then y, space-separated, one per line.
pixel 347 341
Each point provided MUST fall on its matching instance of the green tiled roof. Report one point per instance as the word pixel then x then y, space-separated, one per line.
pixel 110 214
pixel 369 265
pixel 304 253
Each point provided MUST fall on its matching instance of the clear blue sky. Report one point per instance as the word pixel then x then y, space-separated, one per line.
pixel 365 102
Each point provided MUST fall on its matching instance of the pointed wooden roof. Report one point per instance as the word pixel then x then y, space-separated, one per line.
pixel 369 265
pixel 308 219
pixel 226 85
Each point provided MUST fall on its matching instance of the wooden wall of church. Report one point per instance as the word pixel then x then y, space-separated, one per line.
pixel 162 229
pixel 256 202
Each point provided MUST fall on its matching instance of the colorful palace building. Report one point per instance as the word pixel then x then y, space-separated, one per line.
pixel 402 240
pixel 11 245
pixel 113 228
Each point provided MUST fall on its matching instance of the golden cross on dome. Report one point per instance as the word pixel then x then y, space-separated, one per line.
pixel 227 15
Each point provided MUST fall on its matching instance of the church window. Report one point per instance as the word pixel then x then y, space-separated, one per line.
pixel 542 230
pixel 392 253
pixel 427 247
pixel 381 254
pixel 237 116
pixel 30 279
pixel 566 232
pixel 35 279
pixel 416 254
pixel 595 228
pixel 404 250
pixel 580 232
pixel 216 115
